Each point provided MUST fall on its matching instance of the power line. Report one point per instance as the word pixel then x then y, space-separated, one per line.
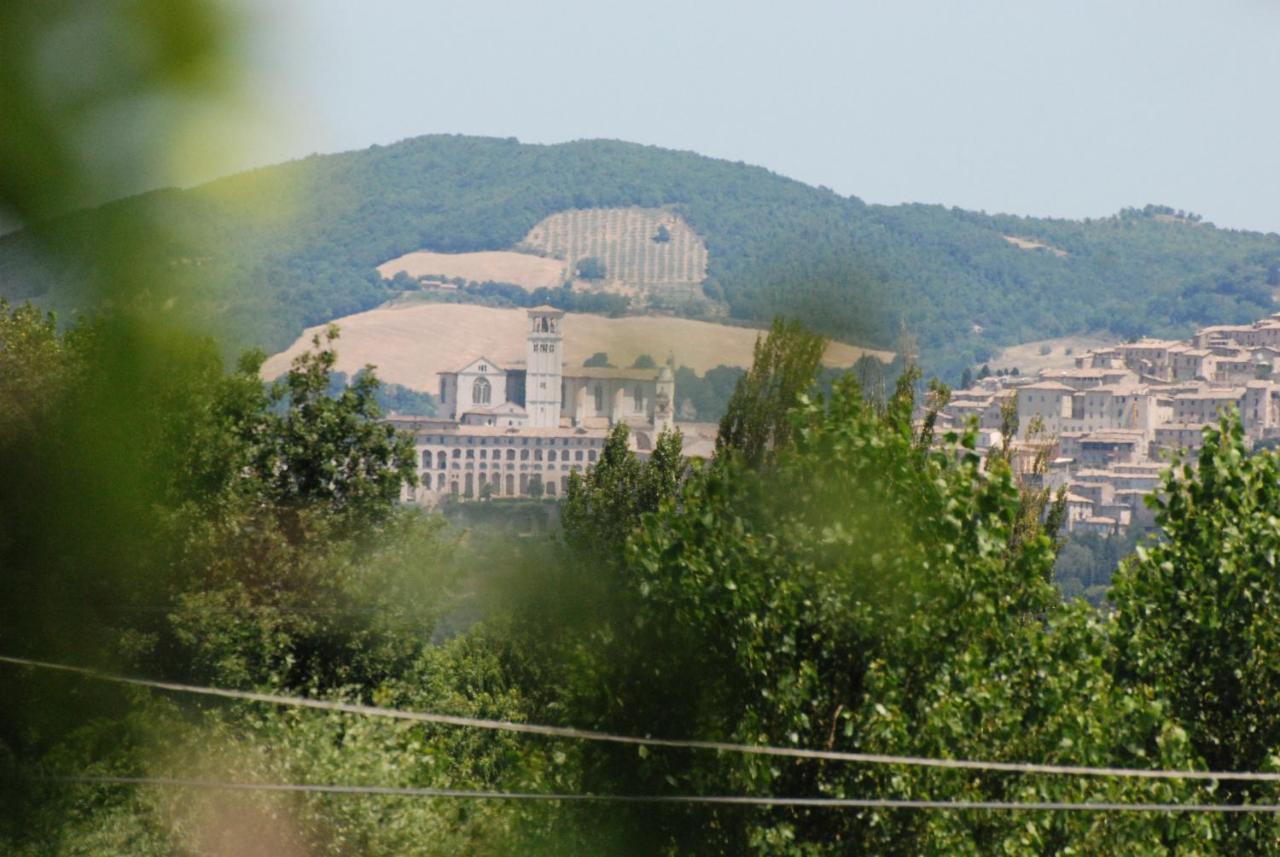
pixel 733 800
pixel 609 737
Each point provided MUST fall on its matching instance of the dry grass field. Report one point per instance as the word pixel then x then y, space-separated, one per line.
pixel 411 342
pixel 1030 244
pixel 1029 360
pixel 501 266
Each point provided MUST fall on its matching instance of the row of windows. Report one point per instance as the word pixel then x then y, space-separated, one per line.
pixel 509 441
pixel 498 465
pixel 472 485
pixel 441 457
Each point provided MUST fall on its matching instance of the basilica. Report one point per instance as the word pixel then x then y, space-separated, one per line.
pixel 520 430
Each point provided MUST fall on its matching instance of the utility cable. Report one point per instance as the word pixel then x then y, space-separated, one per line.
pixel 609 737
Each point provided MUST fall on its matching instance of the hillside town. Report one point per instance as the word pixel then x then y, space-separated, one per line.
pixel 1111 423
pixel 1104 428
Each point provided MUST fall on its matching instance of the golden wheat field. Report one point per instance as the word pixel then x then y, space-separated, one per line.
pixel 500 266
pixel 410 343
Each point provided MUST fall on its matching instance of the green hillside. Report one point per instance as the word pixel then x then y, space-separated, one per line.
pixel 266 253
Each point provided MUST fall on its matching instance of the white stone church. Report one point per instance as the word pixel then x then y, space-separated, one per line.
pixel 520 430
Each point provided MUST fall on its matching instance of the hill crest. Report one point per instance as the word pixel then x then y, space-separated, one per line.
pixel 288 247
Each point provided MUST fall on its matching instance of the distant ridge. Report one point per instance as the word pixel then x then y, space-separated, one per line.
pixel 267 253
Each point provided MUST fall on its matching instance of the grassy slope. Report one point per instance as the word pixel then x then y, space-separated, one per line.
pixel 411 342
pixel 270 252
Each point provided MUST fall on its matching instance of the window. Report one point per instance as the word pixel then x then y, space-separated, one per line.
pixel 577 455
pixel 524 455
pixel 551 455
pixel 550 488
pixel 426 458
pixel 457 453
pixel 537 455
pixel 511 455
pixel 599 396
pixel 637 399
pixel 440 459
pixel 426 481
pixel 480 391
pixel 591 456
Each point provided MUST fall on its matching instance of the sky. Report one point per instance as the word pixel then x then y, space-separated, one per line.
pixel 1070 109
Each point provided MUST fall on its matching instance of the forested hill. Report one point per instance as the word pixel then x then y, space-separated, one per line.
pixel 271 251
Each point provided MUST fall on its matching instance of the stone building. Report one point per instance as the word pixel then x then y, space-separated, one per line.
pixel 521 430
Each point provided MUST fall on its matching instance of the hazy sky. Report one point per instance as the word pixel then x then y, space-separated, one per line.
pixel 1035 106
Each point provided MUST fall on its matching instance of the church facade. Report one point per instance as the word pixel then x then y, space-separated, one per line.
pixel 521 430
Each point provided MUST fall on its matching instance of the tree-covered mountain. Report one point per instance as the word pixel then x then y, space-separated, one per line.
pixel 265 253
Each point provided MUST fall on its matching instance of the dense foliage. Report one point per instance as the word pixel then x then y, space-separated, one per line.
pixel 490 293
pixel 269 252
pixel 832 580
pixel 391 398
pixel 1087 561
pixel 856 589
pixel 1198 614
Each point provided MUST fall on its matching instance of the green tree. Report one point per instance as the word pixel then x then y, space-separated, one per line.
pixel 591 268
pixel 1198 611
pixel 784 368
pixel 333 449
pixel 605 506
pixel 873 379
pixel 865 591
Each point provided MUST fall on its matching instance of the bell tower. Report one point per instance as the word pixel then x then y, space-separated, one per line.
pixel 544 365
pixel 664 401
